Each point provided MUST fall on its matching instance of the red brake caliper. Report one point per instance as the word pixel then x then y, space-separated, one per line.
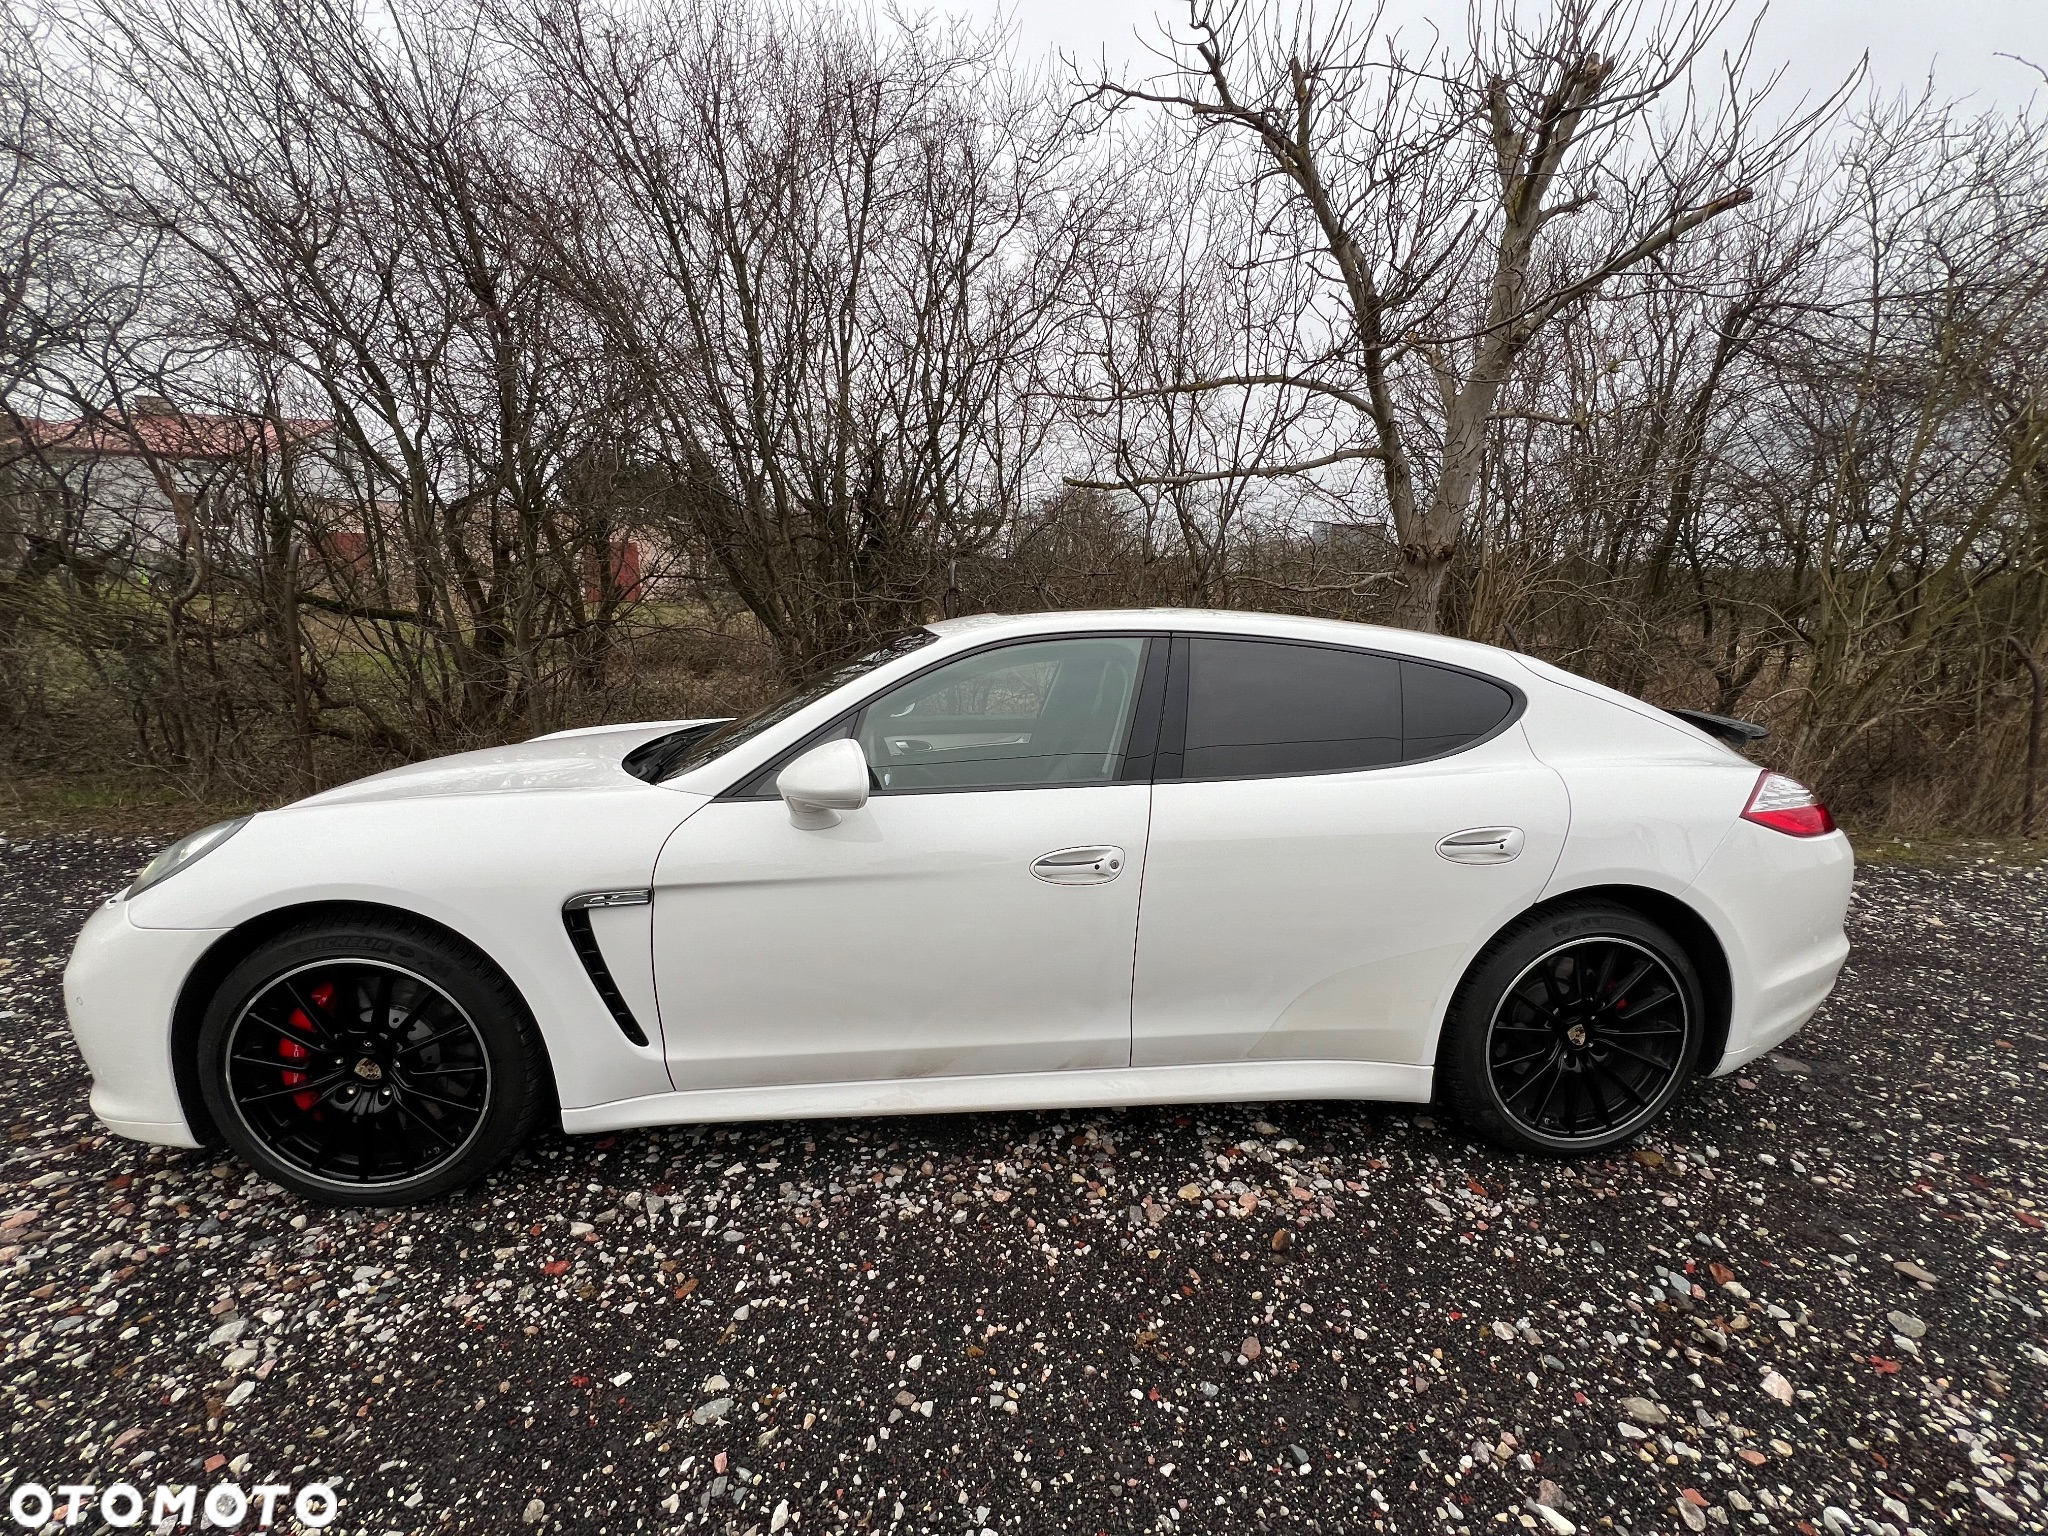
pixel 291 1050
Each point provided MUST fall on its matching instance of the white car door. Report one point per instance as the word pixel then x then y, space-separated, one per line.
pixel 1333 833
pixel 978 915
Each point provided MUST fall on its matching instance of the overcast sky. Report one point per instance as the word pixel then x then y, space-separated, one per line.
pixel 1958 41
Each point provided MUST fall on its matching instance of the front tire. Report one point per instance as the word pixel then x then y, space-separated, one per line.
pixel 370 1061
pixel 1572 1032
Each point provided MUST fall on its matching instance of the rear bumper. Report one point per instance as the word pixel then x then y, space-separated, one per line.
pixel 1782 1010
pixel 120 993
pixel 1777 904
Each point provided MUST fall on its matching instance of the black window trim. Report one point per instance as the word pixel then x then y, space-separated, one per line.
pixel 1152 685
pixel 1173 732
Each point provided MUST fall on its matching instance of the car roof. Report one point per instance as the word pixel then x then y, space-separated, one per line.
pixel 1272 626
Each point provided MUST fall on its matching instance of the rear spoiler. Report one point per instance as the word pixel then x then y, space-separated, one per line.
pixel 1739 734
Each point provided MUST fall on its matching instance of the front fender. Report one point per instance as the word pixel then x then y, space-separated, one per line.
pixel 493 869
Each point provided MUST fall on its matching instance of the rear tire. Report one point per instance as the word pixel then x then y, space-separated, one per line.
pixel 1572 1031
pixel 370 1061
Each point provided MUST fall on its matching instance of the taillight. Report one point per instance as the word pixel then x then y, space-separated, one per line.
pixel 1788 806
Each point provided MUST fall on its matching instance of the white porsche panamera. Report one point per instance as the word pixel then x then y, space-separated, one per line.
pixel 1003 862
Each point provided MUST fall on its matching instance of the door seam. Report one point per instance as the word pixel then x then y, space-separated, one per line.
pixel 1137 932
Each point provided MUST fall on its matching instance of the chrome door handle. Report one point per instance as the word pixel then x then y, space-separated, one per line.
pixel 1482 845
pixel 1095 865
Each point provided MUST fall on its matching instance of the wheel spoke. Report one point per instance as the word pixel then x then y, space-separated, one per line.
pixel 412 1140
pixel 431 1129
pixel 279 1063
pixel 412 1015
pixel 318 1085
pixel 433 1098
pixel 314 1015
pixel 1621 992
pixel 1606 971
pixel 1648 1061
pixel 1529 1082
pixel 1656 999
pixel 1598 1099
pixel 1622 1083
pixel 320 1043
pixel 446 1034
pixel 330 1141
pixel 359 1144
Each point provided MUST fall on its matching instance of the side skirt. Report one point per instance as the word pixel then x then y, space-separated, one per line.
pixel 1224 1083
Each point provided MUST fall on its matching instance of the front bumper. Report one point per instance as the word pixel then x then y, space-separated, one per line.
pixel 120 994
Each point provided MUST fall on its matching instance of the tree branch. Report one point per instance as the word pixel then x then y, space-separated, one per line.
pixel 1534 318
pixel 1259 472
pixel 1351 398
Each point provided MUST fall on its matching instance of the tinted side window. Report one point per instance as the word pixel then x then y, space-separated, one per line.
pixel 1443 710
pixel 1267 707
pixel 1047 712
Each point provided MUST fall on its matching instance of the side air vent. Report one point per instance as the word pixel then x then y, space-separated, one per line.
pixel 576 918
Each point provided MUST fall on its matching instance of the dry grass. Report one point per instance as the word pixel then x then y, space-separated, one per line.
pixel 134 804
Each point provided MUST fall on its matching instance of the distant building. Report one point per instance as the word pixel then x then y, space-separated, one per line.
pixel 137 488
pixel 144 482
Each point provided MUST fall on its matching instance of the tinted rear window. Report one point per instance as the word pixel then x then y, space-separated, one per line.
pixel 1262 707
pixel 1442 710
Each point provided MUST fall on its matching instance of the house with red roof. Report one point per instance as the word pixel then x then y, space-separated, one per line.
pixel 144 484
pixel 146 481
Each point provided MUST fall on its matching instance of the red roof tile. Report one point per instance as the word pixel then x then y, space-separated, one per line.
pixel 169 435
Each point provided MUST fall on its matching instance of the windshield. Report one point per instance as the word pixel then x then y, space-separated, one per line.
pixel 722 739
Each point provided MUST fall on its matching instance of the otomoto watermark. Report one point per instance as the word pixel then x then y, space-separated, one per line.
pixel 224 1506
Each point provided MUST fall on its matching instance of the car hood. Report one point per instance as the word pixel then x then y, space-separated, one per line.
pixel 588 759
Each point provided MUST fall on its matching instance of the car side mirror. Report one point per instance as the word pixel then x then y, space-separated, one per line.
pixel 823 782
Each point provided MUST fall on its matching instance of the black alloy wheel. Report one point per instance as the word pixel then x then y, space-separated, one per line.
pixel 370 1062
pixel 358 1071
pixel 1573 1031
pixel 1587 1040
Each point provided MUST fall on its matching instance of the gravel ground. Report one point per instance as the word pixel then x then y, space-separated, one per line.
pixel 1811 1300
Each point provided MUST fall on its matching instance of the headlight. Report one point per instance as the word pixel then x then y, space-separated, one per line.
pixel 184 851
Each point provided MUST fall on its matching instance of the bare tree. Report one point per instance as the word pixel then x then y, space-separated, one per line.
pixel 831 252
pixel 356 223
pixel 1449 206
pixel 1210 470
